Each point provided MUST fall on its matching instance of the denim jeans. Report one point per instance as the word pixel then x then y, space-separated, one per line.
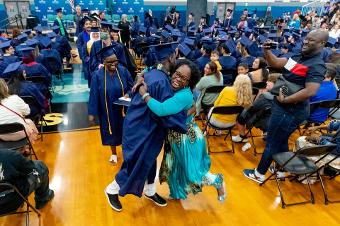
pixel 40 185
pixel 283 121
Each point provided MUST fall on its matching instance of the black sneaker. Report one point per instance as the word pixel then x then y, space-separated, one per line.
pixel 40 205
pixel 157 199
pixel 114 201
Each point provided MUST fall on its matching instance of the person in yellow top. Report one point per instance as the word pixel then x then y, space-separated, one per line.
pixel 240 94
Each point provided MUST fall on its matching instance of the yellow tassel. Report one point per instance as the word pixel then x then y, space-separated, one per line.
pixel 121 83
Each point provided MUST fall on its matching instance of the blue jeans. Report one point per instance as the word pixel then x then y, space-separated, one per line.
pixel 283 121
pixel 39 186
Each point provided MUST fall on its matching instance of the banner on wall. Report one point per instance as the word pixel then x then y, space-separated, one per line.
pixel 129 7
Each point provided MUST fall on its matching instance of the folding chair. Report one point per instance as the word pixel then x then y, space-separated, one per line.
pixel 7 189
pixel 222 110
pixel 210 90
pixel 16 145
pixel 296 163
pixel 228 76
pixel 39 117
pixel 260 85
pixel 253 121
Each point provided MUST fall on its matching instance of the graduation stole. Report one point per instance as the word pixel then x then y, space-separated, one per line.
pixel 61 26
pixel 105 96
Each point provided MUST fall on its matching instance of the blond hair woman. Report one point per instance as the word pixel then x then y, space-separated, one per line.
pixel 240 94
pixel 124 26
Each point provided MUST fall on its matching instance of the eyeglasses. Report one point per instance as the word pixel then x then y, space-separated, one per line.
pixel 181 76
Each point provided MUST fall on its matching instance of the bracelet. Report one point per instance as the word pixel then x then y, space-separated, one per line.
pixel 145 95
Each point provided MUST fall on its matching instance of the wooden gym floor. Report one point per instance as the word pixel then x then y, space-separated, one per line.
pixel 79 172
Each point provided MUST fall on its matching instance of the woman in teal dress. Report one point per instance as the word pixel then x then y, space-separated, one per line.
pixel 186 164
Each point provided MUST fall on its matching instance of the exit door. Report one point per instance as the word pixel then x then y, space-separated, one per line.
pixel 14 8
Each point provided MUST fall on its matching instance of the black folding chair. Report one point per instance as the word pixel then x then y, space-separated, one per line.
pixel 16 145
pixel 210 90
pixel 7 189
pixel 229 76
pixel 39 117
pixel 222 110
pixel 296 163
pixel 253 122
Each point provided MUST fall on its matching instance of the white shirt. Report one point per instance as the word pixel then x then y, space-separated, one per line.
pixel 16 104
pixel 334 34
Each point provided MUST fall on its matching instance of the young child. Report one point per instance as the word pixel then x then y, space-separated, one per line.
pixel 242 69
pixel 214 57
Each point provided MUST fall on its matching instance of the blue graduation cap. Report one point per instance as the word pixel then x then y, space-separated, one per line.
pixel 12 68
pixel 165 34
pixel 59 10
pixel 5 45
pixel 95 29
pixel 142 29
pixel 209 45
pixel 287 34
pixel 245 41
pixel 27 31
pixel 207 31
pixel 176 33
pixel 22 37
pixel 169 28
pixel 107 51
pixel 184 49
pixel 231 45
pixel 163 51
pixel 296 35
pixel 85 11
pixel 331 41
pixel 262 39
pixel 32 42
pixel 2 39
pixel 115 29
pixel 26 50
pixel 191 31
pixel 189 41
pixel 51 35
pixel 222 38
pixel 45 42
pixel 253 49
pixel 105 24
pixel 38 29
pixel 273 36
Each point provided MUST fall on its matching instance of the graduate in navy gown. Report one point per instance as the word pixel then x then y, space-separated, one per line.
pixel 31 69
pixel 205 58
pixel 59 22
pixel 144 134
pixel 19 86
pixel 62 46
pixel 49 57
pixel 82 40
pixel 109 83
pixel 8 55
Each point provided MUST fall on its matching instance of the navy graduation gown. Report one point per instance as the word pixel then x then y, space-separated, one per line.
pixel 35 69
pixel 144 134
pixel 82 40
pixel 228 62
pixel 56 23
pixel 202 61
pixel 63 47
pixel 51 60
pixel 28 88
pixel 6 60
pixel 97 105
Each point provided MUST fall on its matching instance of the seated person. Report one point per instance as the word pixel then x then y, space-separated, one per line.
pixel 19 86
pixel 327 91
pixel 263 101
pixel 215 58
pixel 260 72
pixel 27 176
pixel 240 94
pixel 13 110
pixel 210 78
pixel 243 69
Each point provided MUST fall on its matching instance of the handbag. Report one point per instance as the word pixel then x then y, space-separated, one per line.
pixel 288 88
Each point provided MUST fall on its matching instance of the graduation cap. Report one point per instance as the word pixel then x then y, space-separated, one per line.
pixel 287 34
pixel 26 50
pixel 304 32
pixel 85 18
pixel 85 11
pixel 142 29
pixel 27 31
pixel 262 39
pixel 191 31
pixel 176 33
pixel 165 34
pixel 2 39
pixel 95 29
pixel 253 49
pixel 209 44
pixel 189 41
pixel 12 68
pixel 22 37
pixel 232 32
pixel 163 51
pixel 105 24
pixel 245 41
pixel 45 42
pixel 331 41
pixel 169 28
pixel 273 36
pixel 107 51
pixel 38 29
pixel 51 35
pixel 59 10
pixel 5 45
pixel 32 42
pixel 296 35
pixel 230 44
pixel 207 31
pixel 184 49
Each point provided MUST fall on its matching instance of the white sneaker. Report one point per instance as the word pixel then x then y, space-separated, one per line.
pixel 113 159
pixel 246 146
pixel 238 139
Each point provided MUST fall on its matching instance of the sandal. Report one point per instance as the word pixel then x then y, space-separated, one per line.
pixel 220 187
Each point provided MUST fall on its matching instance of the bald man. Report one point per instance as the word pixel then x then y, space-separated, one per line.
pixel 307 70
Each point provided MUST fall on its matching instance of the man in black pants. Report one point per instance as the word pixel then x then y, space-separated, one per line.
pixel 27 176
pixel 306 70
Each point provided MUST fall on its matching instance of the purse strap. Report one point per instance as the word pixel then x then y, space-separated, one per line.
pixel 13 112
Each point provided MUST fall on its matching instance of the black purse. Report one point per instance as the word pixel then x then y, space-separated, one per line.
pixel 288 88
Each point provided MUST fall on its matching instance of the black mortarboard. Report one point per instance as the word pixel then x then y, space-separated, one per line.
pixel 94 29
pixel 115 29
pixel 105 24
pixel 85 10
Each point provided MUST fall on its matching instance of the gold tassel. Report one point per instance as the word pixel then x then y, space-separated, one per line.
pixel 123 94
pixel 106 105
